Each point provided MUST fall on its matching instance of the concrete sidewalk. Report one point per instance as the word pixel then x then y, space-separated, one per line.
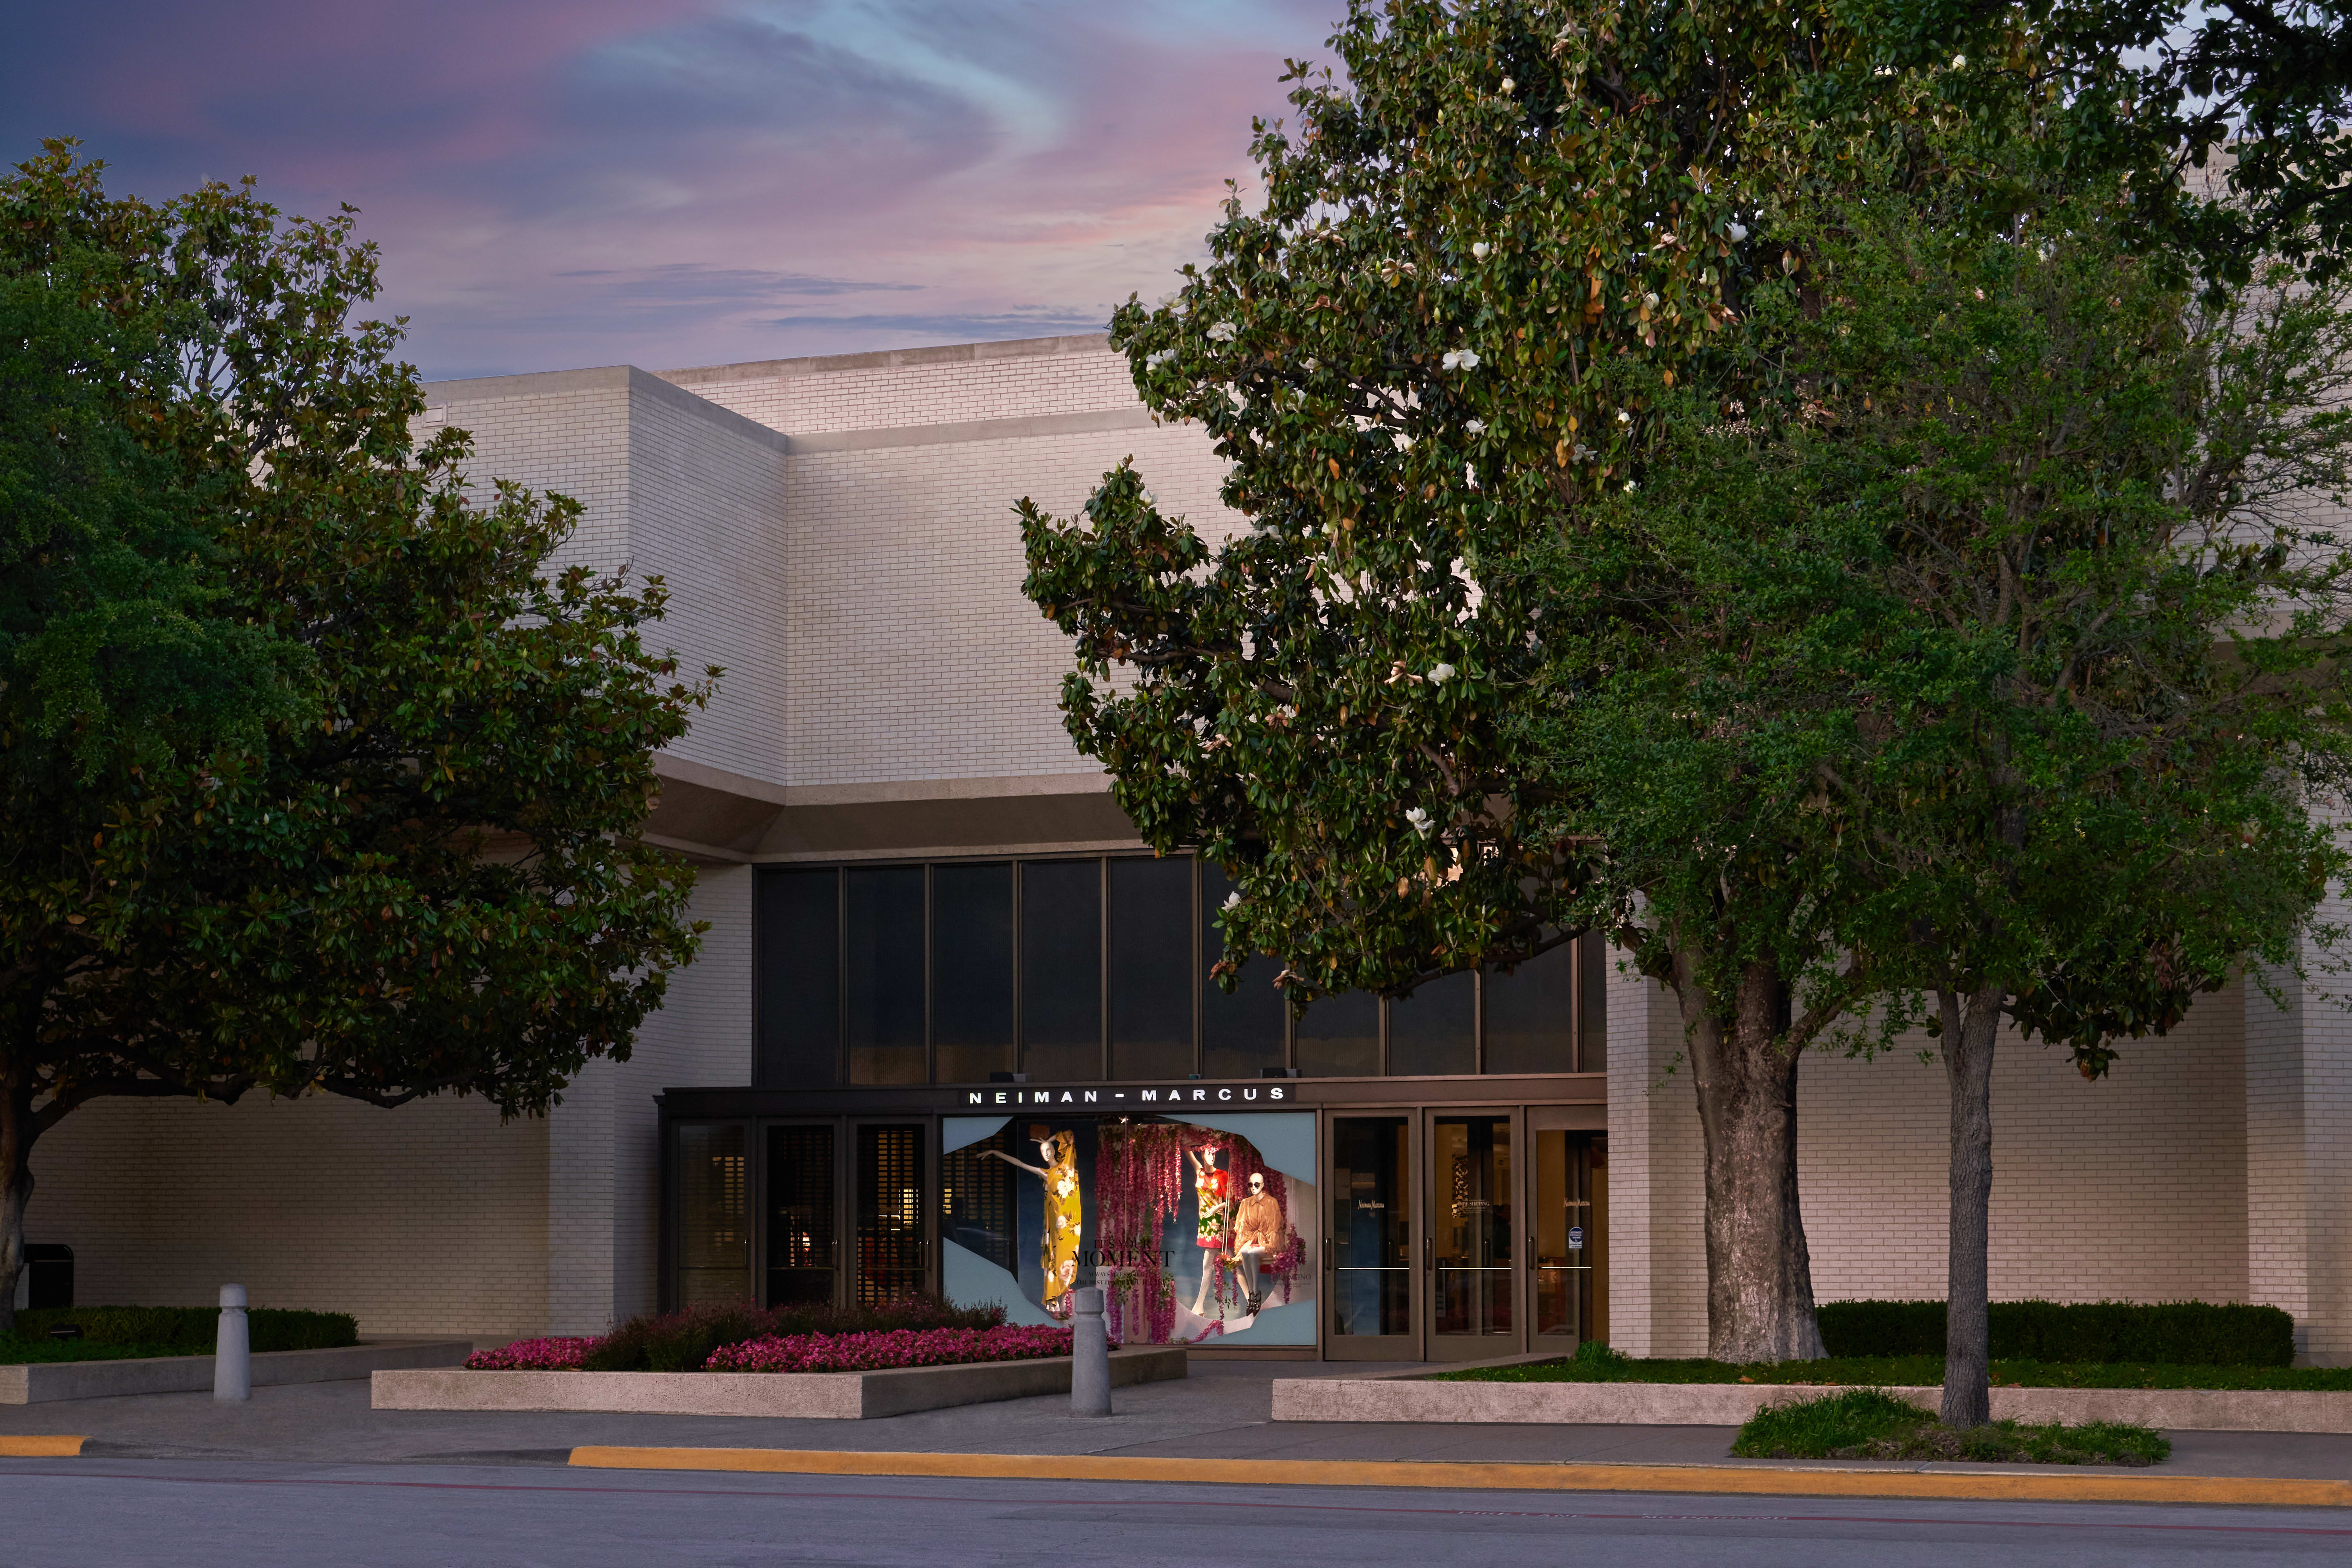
pixel 1221 1412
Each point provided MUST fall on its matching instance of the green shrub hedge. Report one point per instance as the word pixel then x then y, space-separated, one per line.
pixel 194 1330
pixel 2174 1334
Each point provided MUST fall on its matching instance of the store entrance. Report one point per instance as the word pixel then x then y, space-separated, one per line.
pixel 1474 1210
pixel 1370 1265
pixel 1567 1234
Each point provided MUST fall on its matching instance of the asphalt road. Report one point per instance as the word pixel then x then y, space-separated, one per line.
pixel 84 1513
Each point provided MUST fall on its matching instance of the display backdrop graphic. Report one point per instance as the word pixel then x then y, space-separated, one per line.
pixel 1197 1229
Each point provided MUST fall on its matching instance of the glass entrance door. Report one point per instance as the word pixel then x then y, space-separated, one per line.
pixel 711 1195
pixel 1370 1252
pixel 1570 1237
pixel 803 1250
pixel 1473 1201
pixel 892 1216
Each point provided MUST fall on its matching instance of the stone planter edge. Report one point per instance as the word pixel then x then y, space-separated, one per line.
pixel 1411 1397
pixel 818 1396
pixel 40 1383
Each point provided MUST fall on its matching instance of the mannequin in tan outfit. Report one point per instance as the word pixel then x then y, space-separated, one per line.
pixel 1257 1230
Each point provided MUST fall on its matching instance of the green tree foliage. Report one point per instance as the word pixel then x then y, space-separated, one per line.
pixel 2255 94
pixel 1497 260
pixel 2107 684
pixel 386 851
pixel 1437 347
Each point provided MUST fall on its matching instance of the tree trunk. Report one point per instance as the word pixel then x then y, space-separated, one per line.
pixel 15 1187
pixel 1969 1037
pixel 1760 1278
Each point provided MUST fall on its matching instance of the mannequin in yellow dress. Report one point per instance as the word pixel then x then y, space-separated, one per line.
pixel 1057 1250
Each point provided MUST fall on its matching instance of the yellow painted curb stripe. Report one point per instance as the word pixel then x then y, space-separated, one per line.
pixel 41 1447
pixel 1726 1479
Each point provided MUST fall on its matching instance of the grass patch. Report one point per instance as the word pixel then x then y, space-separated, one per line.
pixel 20 1352
pixel 1597 1363
pixel 1870 1424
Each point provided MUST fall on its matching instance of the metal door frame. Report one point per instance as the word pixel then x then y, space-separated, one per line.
pixel 927 1202
pixel 1519 1287
pixel 1407 1346
pixel 1576 1121
pixel 843 1173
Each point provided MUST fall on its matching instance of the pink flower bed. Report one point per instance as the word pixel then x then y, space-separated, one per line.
pixel 877 1351
pixel 533 1355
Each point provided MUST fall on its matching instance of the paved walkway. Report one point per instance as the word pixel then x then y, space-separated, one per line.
pixel 1221 1411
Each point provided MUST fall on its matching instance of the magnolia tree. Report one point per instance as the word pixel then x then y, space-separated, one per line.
pixel 322 777
pixel 1429 354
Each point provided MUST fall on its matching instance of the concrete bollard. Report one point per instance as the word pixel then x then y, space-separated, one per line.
pixel 1089 1355
pixel 233 1350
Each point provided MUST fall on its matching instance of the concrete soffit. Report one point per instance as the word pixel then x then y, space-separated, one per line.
pixel 720 817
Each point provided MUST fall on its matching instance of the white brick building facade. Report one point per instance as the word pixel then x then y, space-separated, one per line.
pixel 838 534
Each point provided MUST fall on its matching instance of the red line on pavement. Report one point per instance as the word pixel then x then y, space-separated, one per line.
pixel 1290 1507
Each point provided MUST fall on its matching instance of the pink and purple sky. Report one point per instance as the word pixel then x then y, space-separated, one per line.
pixel 566 182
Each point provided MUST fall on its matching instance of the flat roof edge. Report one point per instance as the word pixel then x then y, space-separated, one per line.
pixel 886 359
pixel 623 378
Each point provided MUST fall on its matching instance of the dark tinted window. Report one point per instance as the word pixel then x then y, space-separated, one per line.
pixel 971 972
pixel 1434 1030
pixel 1531 1015
pixel 1241 1032
pixel 886 975
pixel 1339 1037
pixel 797 926
pixel 1061 970
pixel 1593 1045
pixel 1150 968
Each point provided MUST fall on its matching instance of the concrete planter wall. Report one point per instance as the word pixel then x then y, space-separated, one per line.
pixel 1413 1398
pixel 44 1381
pixel 820 1395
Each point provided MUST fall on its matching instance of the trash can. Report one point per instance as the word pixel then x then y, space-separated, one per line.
pixel 49 1271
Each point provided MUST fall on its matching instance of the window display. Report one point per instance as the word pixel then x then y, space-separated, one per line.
pixel 1195 1228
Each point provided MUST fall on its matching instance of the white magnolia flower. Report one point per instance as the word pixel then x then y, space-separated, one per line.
pixel 1480 250
pixel 1629 486
pixel 1470 476
pixel 1419 820
pixel 1509 87
pixel 1404 442
pixel 1233 901
pixel 1459 359
pixel 1959 62
pixel 1738 231
pixel 1223 332
pixel 1651 300
pixel 1155 360
pixel 1149 498
pixel 1441 675
pixel 1623 418
pixel 1475 426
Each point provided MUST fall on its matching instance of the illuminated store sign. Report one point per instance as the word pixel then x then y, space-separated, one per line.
pixel 1118 1097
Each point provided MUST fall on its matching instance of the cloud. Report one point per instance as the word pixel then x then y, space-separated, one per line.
pixel 689 182
pixel 1040 323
